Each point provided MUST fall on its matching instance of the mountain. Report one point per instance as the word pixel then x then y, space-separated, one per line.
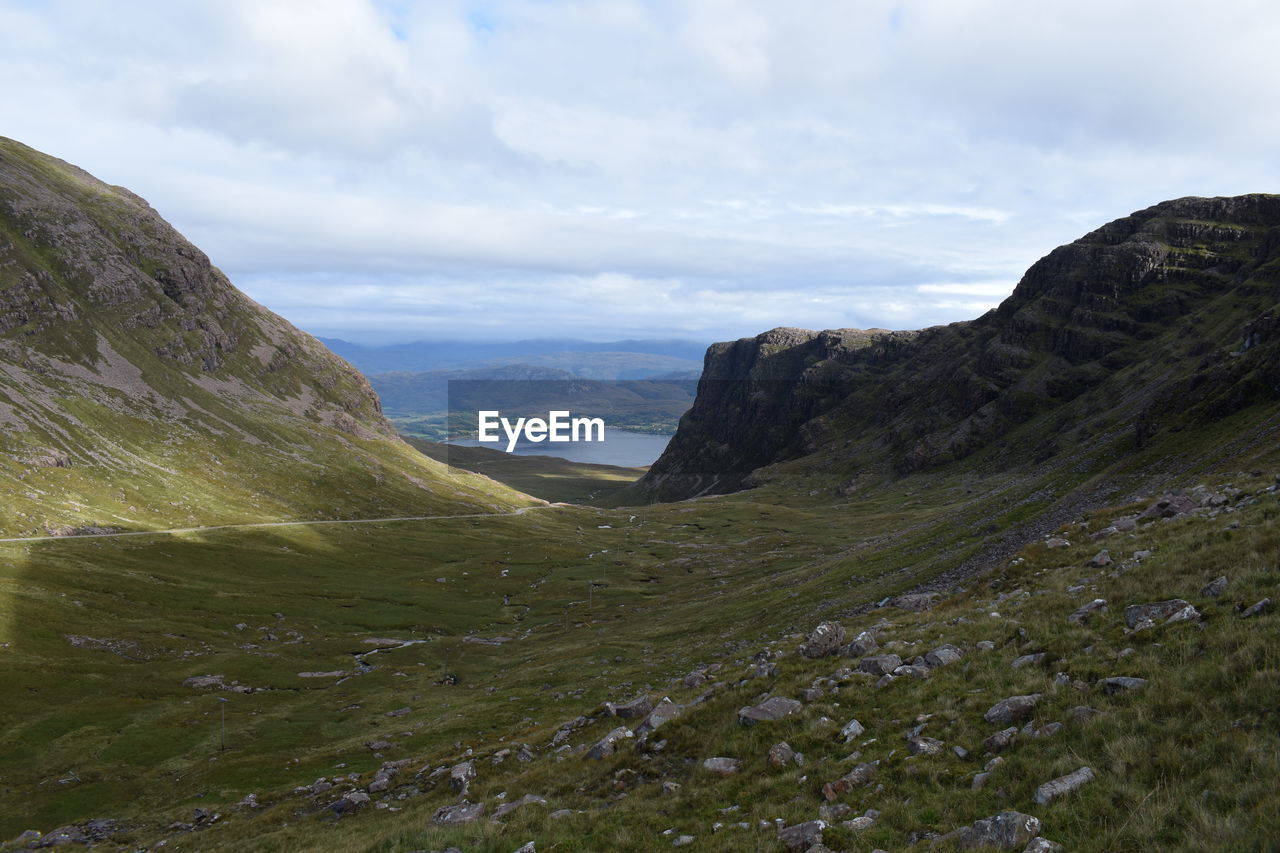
pixel 1152 327
pixel 630 359
pixel 139 388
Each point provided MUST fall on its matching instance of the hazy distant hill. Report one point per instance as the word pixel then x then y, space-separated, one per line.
pixel 633 359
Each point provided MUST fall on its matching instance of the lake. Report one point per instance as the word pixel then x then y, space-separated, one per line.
pixel 626 449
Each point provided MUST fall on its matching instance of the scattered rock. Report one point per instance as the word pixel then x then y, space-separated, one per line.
pixel 463 812
pixel 802 836
pixel 507 808
pixel 461 775
pixel 851 730
pixel 879 664
pixel 608 744
pixel 664 712
pixel 1168 506
pixel 857 777
pixel 1085 611
pixel 862 645
pixel 924 746
pixel 1120 684
pixel 824 640
pixel 1056 542
pixel 1100 559
pixel 723 766
pixel 773 708
pixel 1001 740
pixel 781 754
pixel 943 655
pixel 1215 587
pixel 1014 709
pixel 637 707
pixel 1028 660
pixel 683 840
pixel 1254 609
pixel 916 602
pixel 1063 785
pixel 1006 831
pixel 1042 845
pixel 985 645
pixel 399 712
pixel 1138 616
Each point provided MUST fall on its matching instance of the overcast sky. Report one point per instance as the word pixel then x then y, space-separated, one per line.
pixel 705 169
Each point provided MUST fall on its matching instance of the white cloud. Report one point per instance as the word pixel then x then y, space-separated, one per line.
pixel 610 167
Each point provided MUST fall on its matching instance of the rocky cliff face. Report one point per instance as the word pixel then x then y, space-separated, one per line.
pixel 1152 323
pixel 160 389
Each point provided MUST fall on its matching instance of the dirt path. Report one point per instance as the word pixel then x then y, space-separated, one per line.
pixel 257 524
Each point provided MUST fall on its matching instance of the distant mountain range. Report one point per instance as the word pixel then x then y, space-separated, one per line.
pixel 630 359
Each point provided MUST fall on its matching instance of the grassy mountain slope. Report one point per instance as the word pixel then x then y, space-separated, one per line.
pixel 140 389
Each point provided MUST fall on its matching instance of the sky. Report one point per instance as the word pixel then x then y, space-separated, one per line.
pixel 605 169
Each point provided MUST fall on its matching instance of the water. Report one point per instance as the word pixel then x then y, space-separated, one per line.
pixel 627 449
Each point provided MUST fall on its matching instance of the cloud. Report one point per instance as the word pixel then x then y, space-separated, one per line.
pixel 506 168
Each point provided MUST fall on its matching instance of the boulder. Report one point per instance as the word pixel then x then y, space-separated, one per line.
pixel 1014 709
pixel 781 754
pixel 1168 506
pixel 879 664
pixel 608 744
pixel 1254 609
pixel 507 808
pixel 802 836
pixel 1055 788
pixel 1006 831
pixel 943 655
pixel 456 815
pixel 1028 660
pixel 461 775
pixel 1083 612
pixel 723 766
pixel 861 645
pixel 664 712
pixel 1042 845
pixel 634 709
pixel 1120 684
pixel 773 708
pixel 1215 587
pixel 856 778
pixel 851 730
pixel 1001 740
pixel 1100 559
pixel 824 640
pixel 924 746
pixel 1138 615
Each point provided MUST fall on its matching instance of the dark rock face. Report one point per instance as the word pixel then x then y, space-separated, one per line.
pixel 904 401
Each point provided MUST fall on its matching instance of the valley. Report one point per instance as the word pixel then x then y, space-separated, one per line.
pixel 207 516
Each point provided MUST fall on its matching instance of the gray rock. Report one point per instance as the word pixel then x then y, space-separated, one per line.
pixel 664 712
pixel 851 730
pixel 1014 709
pixel 1083 612
pixel 461 775
pixel 943 655
pixel 1042 845
pixel 1254 609
pixel 802 836
pixel 697 678
pixel 507 808
pixel 924 746
pixel 1028 660
pixel 61 836
pixel 862 645
pixel 683 840
pixel 879 664
pixel 1056 542
pixel 1215 587
pixel 1136 615
pixel 859 824
pixel 773 708
pixel 916 602
pixel 1001 740
pixel 608 744
pixel 1120 684
pixel 985 645
pixel 723 766
pixel 1168 506
pixel 824 640
pixel 831 812
pixel 400 712
pixel 456 815
pixel 1051 790
pixel 856 778
pixel 1006 831
pixel 1100 559
pixel 529 847
pixel 634 709
pixel 781 754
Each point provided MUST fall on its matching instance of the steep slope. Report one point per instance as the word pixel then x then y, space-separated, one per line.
pixel 1159 322
pixel 139 388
